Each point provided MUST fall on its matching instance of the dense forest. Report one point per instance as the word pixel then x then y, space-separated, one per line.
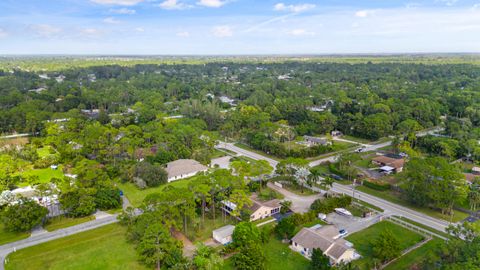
pixel 274 100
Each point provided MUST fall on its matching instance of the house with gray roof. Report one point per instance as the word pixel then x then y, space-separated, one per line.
pixel 328 240
pixel 183 168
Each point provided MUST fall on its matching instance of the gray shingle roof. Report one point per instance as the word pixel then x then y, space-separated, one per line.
pixel 184 166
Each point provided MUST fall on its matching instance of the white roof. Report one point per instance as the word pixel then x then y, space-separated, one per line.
pixel 387 168
pixel 184 166
pixel 476 169
pixel 224 231
pixel 343 211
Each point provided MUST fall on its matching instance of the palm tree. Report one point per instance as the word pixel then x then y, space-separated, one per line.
pixel 315 176
pixel 302 175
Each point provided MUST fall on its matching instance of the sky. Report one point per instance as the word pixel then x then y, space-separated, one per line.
pixel 238 27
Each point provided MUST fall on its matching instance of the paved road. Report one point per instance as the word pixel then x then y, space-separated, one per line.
pixel 393 209
pixel 243 152
pixel 390 208
pixel 48 236
pixel 300 204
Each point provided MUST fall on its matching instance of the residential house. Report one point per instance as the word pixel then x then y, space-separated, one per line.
pixel 336 133
pixel 312 141
pixel 476 170
pixel 327 239
pixel 389 163
pixel 258 210
pixel 223 235
pixel 183 168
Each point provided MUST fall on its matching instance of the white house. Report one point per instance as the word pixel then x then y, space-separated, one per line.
pixel 223 235
pixel 183 168
pixel 325 238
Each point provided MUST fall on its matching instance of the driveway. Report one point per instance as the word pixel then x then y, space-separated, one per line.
pixel 300 204
pixel 352 224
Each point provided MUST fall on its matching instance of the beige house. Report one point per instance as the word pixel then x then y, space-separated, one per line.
pixel 261 210
pixel 394 164
pixel 183 168
pixel 327 239
pixel 258 210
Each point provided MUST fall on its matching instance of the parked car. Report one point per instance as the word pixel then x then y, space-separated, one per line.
pixel 342 233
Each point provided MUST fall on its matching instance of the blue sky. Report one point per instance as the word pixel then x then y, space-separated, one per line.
pixel 217 27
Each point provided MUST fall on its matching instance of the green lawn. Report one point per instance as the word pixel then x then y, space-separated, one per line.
pixel 7 237
pixel 390 196
pixel 44 152
pixel 44 175
pixel 217 154
pixel 102 248
pixel 415 256
pixel 136 195
pixel 355 139
pixel 61 222
pixel 278 257
pixel 362 240
pixel 202 233
pixel 298 190
pixel 424 227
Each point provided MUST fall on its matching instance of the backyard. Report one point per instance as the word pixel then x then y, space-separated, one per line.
pixel 102 248
pixel 362 240
pixel 136 195
pixel 278 256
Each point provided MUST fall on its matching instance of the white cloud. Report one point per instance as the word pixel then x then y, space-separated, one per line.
pixel 90 32
pixel 183 34
pixel 211 3
pixel 45 30
pixel 140 29
pixel 117 2
pixel 301 32
pixel 126 11
pixel 293 8
pixel 173 4
pixel 364 13
pixel 222 31
pixel 111 20
pixel 448 2
pixel 3 33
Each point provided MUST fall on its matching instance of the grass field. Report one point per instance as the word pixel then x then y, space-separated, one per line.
pixel 7 237
pixel 415 256
pixel 203 233
pixel 136 195
pixel 362 240
pixel 389 196
pixel 278 257
pixel 44 175
pixel 61 222
pixel 102 248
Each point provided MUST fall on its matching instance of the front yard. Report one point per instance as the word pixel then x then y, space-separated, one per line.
pixel 7 237
pixel 102 248
pixel 61 222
